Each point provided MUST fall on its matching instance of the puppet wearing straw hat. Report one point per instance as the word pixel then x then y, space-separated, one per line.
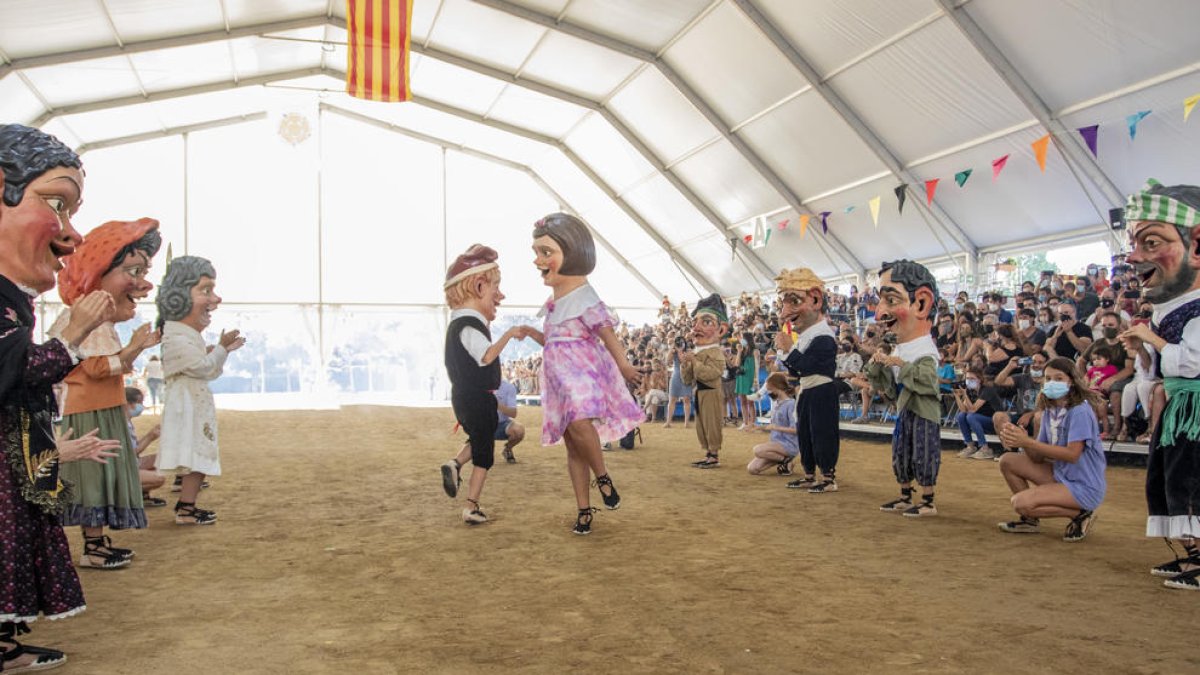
pixel 812 358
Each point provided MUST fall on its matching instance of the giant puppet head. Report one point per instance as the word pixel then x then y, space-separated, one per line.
pixel 1163 231
pixel 907 300
pixel 42 184
pixel 709 321
pixel 801 297
pixel 187 293
pixel 473 281
pixel 114 257
pixel 563 247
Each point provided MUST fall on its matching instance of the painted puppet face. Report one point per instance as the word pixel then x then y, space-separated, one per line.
pixel 127 284
pixel 1163 261
pixel 489 296
pixel 36 233
pixel 908 319
pixel 548 259
pixel 708 329
pixel 204 302
pixel 802 308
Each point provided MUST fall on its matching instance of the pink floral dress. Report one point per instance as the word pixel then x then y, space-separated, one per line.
pixel 580 379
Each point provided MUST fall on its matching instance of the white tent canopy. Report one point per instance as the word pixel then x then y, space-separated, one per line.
pixel 672 125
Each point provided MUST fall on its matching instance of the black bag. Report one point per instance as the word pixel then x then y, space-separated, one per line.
pixel 626 441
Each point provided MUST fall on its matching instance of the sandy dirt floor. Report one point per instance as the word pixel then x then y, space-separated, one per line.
pixel 337 551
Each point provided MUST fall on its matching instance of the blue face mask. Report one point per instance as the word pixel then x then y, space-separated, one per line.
pixel 1055 390
pixel 137 409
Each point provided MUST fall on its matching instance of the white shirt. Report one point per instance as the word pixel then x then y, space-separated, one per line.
pixel 821 327
pixel 1183 359
pixel 914 350
pixel 473 340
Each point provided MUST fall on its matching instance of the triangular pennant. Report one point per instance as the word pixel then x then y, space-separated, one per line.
pixel 998 166
pixel 848 209
pixel 1089 136
pixel 825 221
pixel 767 240
pixel 1039 150
pixel 1132 121
pixel 748 238
pixel 784 223
pixel 1188 104
pixel 962 176
pixel 803 224
pixel 930 190
pixel 901 195
pixel 874 204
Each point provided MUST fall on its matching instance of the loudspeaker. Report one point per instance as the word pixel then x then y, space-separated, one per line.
pixel 1116 218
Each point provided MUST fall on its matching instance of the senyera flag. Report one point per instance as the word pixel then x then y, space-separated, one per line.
pixel 377 51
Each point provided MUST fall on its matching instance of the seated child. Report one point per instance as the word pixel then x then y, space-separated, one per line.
pixel 783 445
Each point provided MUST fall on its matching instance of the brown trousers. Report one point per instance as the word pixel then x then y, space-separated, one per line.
pixel 710 419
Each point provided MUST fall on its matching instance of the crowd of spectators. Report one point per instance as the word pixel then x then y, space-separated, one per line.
pixel 993 347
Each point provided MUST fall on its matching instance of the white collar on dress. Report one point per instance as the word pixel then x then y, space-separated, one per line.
pixel 1160 311
pixel 571 305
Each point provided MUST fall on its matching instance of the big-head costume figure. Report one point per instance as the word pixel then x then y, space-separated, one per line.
pixel 472 289
pixel 1163 226
pixel 703 368
pixel 907 308
pixel 812 359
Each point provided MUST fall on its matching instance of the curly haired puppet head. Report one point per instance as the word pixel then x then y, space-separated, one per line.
pixel 907 299
pixel 175 301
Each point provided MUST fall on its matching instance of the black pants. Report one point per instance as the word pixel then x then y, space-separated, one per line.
pixel 476 414
pixel 817 429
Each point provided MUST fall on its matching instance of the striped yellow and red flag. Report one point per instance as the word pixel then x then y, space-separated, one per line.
pixel 377 54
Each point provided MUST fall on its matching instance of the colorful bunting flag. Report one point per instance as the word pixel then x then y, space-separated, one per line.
pixel 825 221
pixel 901 195
pixel 803 224
pixel 1132 121
pixel 1039 150
pixel 848 209
pixel 767 240
pixel 1188 104
pixel 748 238
pixel 874 204
pixel 1089 136
pixel 930 189
pixel 377 52
pixel 784 223
pixel 962 176
pixel 998 166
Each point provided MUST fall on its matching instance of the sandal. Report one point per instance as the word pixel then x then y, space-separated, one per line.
pixel 1175 567
pixel 612 500
pixel 922 510
pixel 710 461
pixel 508 456
pixel 99 548
pixel 583 521
pixel 44 659
pixel 1187 581
pixel 149 501
pixel 474 516
pixel 187 514
pixel 784 468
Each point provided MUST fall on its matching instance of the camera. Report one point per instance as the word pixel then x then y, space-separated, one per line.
pixel 680 343
pixel 1025 361
pixel 1133 294
pixel 1064 317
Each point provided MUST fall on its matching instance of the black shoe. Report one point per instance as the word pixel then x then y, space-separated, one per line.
pixel 508 456
pixel 451 478
pixel 784 468
pixel 612 500
pixel 583 521
pixel 802 483
pixel 150 501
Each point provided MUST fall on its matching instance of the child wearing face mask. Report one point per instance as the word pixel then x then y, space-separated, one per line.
pixel 977 404
pixel 1060 474
pixel 783 446
pixel 150 479
pixel 1141 390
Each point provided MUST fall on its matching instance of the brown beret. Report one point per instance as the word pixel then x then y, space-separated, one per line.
pixel 477 259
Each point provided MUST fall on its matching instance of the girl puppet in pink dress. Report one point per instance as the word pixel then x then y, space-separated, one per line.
pixel 585 401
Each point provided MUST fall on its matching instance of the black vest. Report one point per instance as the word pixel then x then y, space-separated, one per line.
pixel 1172 325
pixel 466 375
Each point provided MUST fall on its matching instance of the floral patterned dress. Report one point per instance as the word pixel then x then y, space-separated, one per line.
pixel 36 575
pixel 580 379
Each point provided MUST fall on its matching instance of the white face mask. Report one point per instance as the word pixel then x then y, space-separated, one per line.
pixel 1023 324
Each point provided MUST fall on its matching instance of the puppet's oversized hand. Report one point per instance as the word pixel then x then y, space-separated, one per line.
pixel 630 373
pixel 87 313
pixel 783 340
pixel 85 447
pixel 232 341
pixel 1136 335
